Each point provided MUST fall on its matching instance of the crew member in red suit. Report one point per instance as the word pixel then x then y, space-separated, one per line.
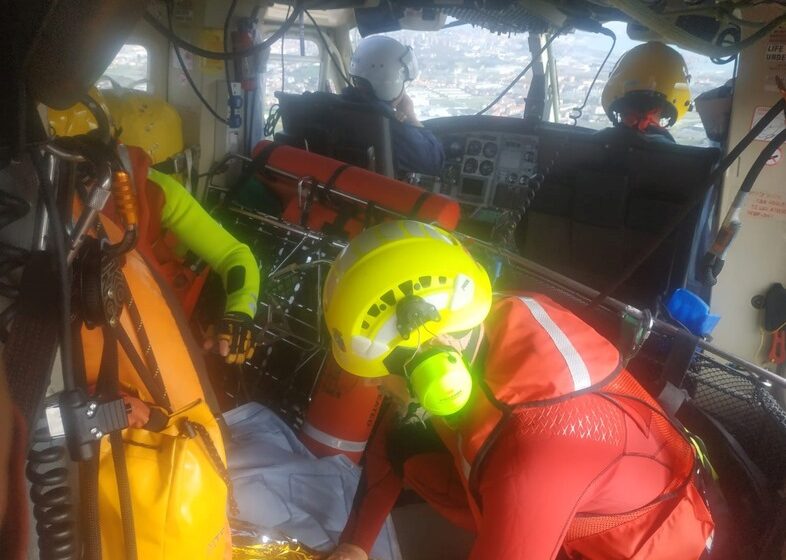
pixel 546 442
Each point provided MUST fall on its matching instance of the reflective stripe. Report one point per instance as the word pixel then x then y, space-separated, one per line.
pixel 576 366
pixel 332 441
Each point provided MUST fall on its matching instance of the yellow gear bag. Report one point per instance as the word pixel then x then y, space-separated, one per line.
pixel 179 493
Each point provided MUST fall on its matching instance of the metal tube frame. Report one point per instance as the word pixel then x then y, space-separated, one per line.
pixel 542 273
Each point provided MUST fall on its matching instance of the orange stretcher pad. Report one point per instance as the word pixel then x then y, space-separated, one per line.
pixel 323 210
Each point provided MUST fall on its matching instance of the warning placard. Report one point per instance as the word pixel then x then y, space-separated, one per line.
pixel 777 124
pixel 775 57
pixel 766 205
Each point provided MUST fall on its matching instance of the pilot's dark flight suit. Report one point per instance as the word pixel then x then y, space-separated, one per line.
pixel 414 149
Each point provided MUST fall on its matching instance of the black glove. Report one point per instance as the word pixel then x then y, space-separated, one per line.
pixel 235 337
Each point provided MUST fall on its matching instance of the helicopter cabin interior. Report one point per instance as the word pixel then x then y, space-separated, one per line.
pixel 545 191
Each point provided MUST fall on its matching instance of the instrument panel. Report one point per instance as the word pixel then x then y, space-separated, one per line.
pixel 489 169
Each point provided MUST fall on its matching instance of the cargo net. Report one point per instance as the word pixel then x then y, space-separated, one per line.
pixel 746 408
pixel 292 343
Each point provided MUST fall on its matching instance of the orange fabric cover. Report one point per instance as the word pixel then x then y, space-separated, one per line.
pixel 178 371
pixel 344 408
pixel 382 191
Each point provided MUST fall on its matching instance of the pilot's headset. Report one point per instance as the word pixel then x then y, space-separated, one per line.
pixel 385 65
pixel 394 288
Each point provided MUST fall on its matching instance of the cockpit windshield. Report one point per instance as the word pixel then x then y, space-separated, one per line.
pixel 463 68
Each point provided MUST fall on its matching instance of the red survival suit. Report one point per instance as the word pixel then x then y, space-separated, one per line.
pixel 562 448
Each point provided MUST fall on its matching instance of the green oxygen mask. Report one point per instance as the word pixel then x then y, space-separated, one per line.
pixel 440 380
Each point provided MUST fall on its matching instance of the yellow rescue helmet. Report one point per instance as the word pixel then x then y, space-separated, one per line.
pixel 77 119
pixel 395 266
pixel 141 119
pixel 649 72
pixel 146 121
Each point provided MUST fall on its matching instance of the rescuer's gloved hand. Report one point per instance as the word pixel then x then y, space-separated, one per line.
pixel 234 335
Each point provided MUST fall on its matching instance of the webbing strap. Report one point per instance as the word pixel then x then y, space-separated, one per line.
pixel 424 196
pixel 154 388
pixel 344 211
pixel 146 368
pixel 258 164
pixel 109 382
pixel 330 184
pixel 681 353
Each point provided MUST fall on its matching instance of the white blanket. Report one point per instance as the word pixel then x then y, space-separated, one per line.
pixel 279 484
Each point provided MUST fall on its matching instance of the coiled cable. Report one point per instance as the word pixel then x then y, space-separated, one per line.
pixel 50 493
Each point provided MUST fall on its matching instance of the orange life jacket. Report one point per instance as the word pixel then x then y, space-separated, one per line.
pixel 538 354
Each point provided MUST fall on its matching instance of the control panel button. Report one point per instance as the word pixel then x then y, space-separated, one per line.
pixel 523 180
pixel 512 178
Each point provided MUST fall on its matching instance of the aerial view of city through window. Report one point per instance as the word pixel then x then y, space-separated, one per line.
pixel 462 69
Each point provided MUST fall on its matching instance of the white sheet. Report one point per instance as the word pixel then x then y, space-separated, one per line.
pixel 279 484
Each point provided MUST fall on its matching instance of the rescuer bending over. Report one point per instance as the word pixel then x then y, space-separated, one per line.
pixel 380 68
pixel 543 440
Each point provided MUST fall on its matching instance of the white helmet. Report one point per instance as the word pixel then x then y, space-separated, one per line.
pixel 385 64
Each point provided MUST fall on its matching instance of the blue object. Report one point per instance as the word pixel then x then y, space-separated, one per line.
pixel 690 310
pixel 235 102
pixel 234 121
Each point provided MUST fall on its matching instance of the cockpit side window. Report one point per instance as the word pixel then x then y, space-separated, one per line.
pixel 578 56
pixel 129 69
pixel 292 69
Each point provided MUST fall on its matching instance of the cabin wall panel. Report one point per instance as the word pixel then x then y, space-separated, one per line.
pixel 758 256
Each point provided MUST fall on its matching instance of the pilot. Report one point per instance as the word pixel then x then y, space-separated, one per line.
pixel 171 221
pixel 380 68
pixel 545 441
pixel 648 90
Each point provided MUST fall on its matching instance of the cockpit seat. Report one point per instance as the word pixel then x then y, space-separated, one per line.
pixel 608 195
pixel 326 124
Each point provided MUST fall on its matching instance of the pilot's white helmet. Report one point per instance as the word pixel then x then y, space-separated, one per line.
pixel 385 64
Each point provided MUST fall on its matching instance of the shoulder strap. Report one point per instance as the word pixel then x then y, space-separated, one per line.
pixel 147 367
pixel 108 381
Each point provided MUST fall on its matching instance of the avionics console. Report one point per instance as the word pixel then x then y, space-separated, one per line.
pixel 486 169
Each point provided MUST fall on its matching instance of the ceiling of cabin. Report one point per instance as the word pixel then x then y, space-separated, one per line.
pixel 704 26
